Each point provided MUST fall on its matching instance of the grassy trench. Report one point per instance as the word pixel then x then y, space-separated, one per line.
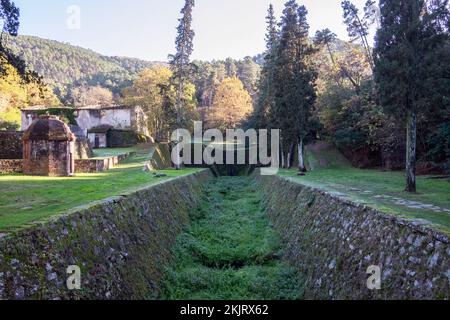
pixel 230 250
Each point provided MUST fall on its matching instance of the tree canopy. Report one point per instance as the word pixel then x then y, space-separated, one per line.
pixel 232 105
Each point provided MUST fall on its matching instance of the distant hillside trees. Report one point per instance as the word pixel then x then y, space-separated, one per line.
pixel 64 66
pixel 232 104
pixel 19 87
pixel 155 93
pixel 88 96
pixel 208 76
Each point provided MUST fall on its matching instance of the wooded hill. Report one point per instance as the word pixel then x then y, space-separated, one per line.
pixel 63 65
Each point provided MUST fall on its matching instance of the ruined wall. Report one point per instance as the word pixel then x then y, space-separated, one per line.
pixel 48 158
pixel 11 166
pixel 99 165
pixel 121 245
pixel 116 117
pixel 11 144
pixel 83 148
pixel 333 242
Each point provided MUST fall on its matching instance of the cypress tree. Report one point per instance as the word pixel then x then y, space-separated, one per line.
pixel 294 81
pixel 409 70
pixel 180 62
pixel 265 103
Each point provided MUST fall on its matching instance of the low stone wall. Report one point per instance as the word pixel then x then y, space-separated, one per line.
pixel 11 166
pixel 92 165
pixel 99 165
pixel 8 166
pixel 121 245
pixel 11 145
pixel 333 242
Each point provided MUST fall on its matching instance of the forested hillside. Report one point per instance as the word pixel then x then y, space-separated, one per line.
pixel 64 66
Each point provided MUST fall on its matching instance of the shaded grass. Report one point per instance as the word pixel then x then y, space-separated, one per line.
pixel 25 200
pixel 364 185
pixel 230 251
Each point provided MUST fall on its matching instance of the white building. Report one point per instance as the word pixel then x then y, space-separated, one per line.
pixel 94 119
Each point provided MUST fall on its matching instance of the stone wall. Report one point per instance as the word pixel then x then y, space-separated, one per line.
pixel 333 242
pixel 48 158
pixel 121 245
pixel 11 166
pixel 92 165
pixel 99 165
pixel 11 145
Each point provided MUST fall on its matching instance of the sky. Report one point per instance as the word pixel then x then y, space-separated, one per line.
pixel 146 29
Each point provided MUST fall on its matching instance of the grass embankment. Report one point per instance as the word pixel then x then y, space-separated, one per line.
pixel 230 251
pixel 384 191
pixel 25 200
pixel 112 152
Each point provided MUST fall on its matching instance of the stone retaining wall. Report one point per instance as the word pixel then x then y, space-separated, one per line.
pixel 333 242
pixel 121 245
pixel 8 166
pixel 11 166
pixel 99 165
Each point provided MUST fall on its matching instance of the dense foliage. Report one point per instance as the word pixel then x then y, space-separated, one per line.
pixel 209 75
pixel 362 93
pixel 289 78
pixel 412 66
pixel 65 66
pixel 231 105
pixel 155 93
pixel 19 86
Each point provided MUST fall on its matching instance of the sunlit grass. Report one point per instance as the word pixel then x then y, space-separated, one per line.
pixel 25 200
pixel 112 152
pixel 364 185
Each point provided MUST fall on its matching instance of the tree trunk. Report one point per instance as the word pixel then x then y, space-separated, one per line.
pixel 411 145
pixel 292 155
pixel 179 95
pixel 301 157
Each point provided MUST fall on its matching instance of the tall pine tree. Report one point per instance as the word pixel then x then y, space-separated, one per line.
pixel 294 81
pixel 180 62
pixel 358 26
pixel 409 70
pixel 266 98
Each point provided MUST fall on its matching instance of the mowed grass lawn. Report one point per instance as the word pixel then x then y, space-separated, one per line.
pixel 384 191
pixel 25 200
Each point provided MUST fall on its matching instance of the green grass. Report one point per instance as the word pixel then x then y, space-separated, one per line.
pixel 25 200
pixel 324 155
pixel 230 251
pixel 112 152
pixel 365 186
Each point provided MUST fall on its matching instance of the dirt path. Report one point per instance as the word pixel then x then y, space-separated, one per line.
pixel 230 250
